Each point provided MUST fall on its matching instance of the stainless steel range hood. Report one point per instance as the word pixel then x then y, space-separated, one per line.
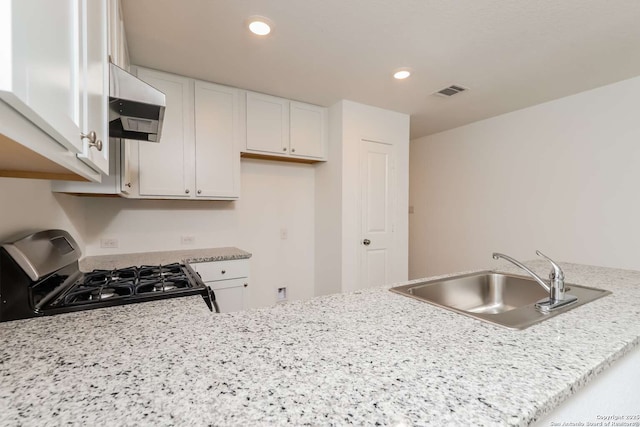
pixel 136 109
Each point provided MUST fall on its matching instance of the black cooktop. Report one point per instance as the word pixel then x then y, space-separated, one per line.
pixel 40 276
pixel 101 285
pixel 103 288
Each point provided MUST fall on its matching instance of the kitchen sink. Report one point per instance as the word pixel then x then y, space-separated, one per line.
pixel 503 299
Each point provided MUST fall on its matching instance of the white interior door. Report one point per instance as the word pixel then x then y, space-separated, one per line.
pixel 376 240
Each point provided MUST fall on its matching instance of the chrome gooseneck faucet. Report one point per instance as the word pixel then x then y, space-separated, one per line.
pixel 557 297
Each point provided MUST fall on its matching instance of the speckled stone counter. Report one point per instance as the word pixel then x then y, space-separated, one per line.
pixel 106 262
pixel 359 358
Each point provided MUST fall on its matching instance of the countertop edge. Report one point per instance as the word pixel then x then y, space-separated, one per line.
pixel 555 401
pixel 113 261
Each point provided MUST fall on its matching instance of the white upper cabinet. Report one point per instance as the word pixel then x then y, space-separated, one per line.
pixel 308 137
pixel 53 56
pixel 217 131
pixel 166 167
pixel 94 85
pixel 198 155
pixel 284 129
pixel 41 75
pixel 267 123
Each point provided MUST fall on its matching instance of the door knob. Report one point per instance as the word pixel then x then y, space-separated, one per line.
pixel 366 242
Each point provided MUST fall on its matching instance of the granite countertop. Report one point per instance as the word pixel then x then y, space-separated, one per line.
pixel 108 262
pixel 368 357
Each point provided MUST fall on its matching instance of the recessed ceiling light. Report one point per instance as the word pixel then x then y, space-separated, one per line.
pixel 259 25
pixel 401 74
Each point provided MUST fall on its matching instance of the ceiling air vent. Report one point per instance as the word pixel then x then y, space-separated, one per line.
pixel 450 91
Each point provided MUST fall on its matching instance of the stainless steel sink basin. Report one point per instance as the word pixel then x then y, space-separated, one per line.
pixel 504 299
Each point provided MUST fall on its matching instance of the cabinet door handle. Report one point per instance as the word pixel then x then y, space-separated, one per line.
pixel 186 191
pixel 284 148
pixel 128 184
pixel 293 150
pixel 246 284
pixel 223 271
pixel 199 191
pixel 93 139
pixel 366 242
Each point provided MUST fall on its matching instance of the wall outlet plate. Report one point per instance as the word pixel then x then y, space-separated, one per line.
pixel 108 243
pixel 187 240
pixel 282 294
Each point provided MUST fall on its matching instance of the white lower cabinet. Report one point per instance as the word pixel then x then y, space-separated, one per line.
pixel 229 281
pixel 230 294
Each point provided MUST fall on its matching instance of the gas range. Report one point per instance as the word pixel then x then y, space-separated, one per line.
pixel 39 276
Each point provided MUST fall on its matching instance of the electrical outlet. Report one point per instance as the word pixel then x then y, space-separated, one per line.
pixel 282 294
pixel 284 234
pixel 108 243
pixel 187 240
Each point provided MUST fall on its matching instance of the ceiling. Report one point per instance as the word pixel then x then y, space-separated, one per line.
pixel 510 54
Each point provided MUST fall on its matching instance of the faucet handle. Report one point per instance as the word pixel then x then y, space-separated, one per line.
pixel 557 272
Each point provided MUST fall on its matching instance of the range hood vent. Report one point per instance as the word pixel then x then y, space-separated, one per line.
pixel 136 109
pixel 450 91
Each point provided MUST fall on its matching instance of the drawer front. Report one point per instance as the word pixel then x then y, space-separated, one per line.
pixel 222 270
pixel 226 284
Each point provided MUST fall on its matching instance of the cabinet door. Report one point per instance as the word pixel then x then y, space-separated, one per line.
pixel 164 168
pixel 230 294
pixel 308 130
pixel 217 155
pixel 40 74
pixel 267 124
pixel 95 84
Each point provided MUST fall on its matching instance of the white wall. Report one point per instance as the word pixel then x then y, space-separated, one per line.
pixel 27 205
pixel 562 177
pixel 328 241
pixel 275 195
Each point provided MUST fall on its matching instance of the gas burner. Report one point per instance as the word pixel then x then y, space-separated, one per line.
pixel 163 287
pixel 87 294
pixel 101 294
pixel 147 271
pixel 103 277
pixel 164 284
